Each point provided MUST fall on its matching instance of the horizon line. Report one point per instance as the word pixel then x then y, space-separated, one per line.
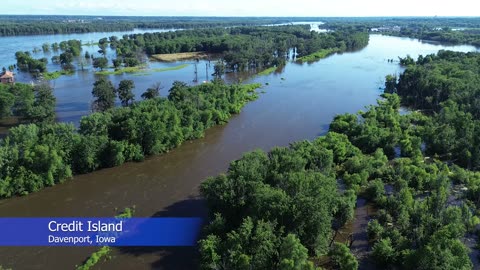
pixel 247 16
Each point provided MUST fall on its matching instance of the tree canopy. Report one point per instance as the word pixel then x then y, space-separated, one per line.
pixel 42 154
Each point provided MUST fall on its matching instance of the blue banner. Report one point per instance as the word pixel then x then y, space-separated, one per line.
pixel 99 231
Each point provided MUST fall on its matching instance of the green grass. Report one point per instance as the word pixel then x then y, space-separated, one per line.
pixel 138 69
pixel 56 74
pixel 170 68
pixel 90 44
pixel 267 71
pixel 142 74
pixel 121 70
pixel 317 55
pixel 127 213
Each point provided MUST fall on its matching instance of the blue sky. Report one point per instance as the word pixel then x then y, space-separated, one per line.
pixel 244 7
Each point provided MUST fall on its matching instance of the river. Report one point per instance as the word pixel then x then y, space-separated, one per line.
pixel 298 104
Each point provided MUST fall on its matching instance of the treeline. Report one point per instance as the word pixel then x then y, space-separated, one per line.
pixel 35 156
pixel 445 35
pixel 280 210
pixel 403 22
pixel 243 48
pixel 440 29
pixel 41 25
pixel 44 28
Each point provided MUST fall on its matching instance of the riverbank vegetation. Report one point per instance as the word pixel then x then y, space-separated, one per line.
pixel 15 25
pixel 94 258
pixel 139 69
pixel 461 30
pixel 267 71
pixel 443 35
pixel 104 251
pixel 38 155
pixel 242 48
pixel 251 49
pixel 48 76
pixel 280 210
pixel 317 55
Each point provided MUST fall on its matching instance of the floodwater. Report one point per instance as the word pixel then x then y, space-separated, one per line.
pixel 10 45
pixel 298 104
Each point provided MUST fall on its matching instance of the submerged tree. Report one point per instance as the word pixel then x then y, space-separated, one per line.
pixel 219 69
pixel 125 93
pixel 100 62
pixel 104 92
pixel 152 92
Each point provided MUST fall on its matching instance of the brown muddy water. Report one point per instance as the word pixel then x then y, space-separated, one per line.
pixel 298 104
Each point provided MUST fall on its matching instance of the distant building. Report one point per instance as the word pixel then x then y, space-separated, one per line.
pixel 7 77
pixel 386 29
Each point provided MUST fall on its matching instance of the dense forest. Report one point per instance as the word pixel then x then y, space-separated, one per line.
pixel 41 25
pixel 464 30
pixel 44 153
pixel 404 22
pixel 243 48
pixel 15 25
pixel 444 35
pixel 280 210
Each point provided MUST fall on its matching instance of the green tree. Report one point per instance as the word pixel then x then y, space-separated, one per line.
pixel 43 109
pixel 100 62
pixel 293 255
pixel 125 93
pixel 7 100
pixel 443 252
pixel 104 92
pixel 374 230
pixel 95 124
pixel 383 252
pixel 219 69
pixel 390 84
pixel 117 63
pixel 152 92
pixel 208 247
pixel 45 47
pixel 342 257
pixel 102 44
pixel 66 59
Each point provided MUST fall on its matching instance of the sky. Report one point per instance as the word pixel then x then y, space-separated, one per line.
pixel 313 8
